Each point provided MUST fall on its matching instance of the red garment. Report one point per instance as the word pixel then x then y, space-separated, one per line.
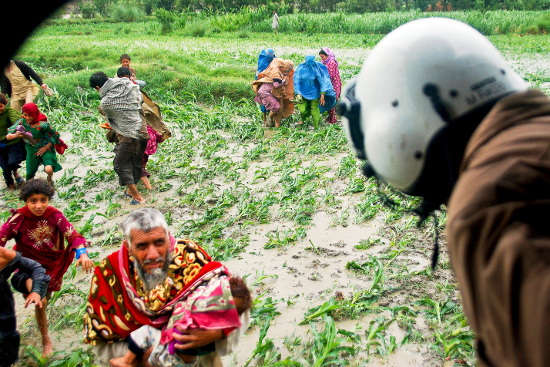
pixel 117 306
pixel 154 139
pixel 32 110
pixel 332 66
pixel 42 239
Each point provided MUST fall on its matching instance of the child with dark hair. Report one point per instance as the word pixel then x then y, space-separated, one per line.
pixel 11 154
pixel 40 232
pixel 217 303
pixel 124 72
pixel 11 261
pixel 125 62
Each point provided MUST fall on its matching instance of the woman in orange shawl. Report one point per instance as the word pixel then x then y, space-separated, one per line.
pixel 274 88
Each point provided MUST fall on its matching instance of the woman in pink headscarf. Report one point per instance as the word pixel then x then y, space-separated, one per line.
pixel 329 60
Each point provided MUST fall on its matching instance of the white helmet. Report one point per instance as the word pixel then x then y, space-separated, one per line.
pixel 421 78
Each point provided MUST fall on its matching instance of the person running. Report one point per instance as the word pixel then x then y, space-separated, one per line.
pixel 121 102
pixel 11 154
pixel 40 232
pixel 40 140
pixel 16 83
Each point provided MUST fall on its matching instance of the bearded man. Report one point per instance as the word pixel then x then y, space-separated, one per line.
pixel 142 282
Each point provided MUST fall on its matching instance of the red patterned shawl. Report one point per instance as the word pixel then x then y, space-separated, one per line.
pixel 118 305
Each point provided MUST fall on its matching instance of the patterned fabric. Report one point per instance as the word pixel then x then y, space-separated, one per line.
pixel 278 69
pixel 121 101
pixel 42 132
pixel 154 139
pixel 146 337
pixel 332 65
pixel 118 304
pixel 209 306
pixel 42 239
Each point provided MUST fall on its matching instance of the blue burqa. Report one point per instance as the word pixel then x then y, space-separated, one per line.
pixel 311 78
pixel 265 58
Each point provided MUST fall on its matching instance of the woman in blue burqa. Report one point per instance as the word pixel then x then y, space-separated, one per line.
pixel 313 89
pixel 266 56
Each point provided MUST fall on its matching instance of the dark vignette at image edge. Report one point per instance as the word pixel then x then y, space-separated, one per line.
pixel 33 16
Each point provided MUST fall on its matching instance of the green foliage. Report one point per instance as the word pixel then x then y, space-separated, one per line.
pixel 166 19
pixel 126 11
pixel 197 28
pixel 87 9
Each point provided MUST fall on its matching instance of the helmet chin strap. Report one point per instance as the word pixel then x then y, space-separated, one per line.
pixel 424 211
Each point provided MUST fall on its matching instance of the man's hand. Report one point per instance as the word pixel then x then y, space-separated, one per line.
pixel 194 338
pixel 322 100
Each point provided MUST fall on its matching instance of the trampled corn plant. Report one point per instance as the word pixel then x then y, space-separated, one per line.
pixel 435 310
pixel 76 358
pixel 73 312
pixel 327 348
pixel 287 237
pixel 377 340
pixel 35 355
pixel 263 309
pixel 455 343
pixel 265 353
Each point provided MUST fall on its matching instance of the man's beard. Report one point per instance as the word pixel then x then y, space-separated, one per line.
pixel 157 275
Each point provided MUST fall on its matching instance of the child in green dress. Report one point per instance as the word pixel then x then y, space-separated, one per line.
pixel 40 150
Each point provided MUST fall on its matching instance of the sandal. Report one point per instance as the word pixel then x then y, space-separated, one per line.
pixel 134 202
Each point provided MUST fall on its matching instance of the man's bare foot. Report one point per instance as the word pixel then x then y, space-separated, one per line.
pixel 47 345
pixel 128 360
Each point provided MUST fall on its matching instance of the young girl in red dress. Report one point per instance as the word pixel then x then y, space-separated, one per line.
pixel 40 232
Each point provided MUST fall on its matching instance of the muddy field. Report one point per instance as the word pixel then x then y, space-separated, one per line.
pixel 303 226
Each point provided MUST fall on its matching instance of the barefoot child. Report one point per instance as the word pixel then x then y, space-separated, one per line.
pixel 40 232
pixel 10 261
pixel 215 304
pixel 40 150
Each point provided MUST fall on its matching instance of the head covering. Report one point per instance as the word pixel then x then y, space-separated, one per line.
pixel 265 58
pixel 330 55
pixel 311 78
pixel 275 70
pixel 32 110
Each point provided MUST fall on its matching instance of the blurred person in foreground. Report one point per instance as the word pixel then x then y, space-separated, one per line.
pixel 437 112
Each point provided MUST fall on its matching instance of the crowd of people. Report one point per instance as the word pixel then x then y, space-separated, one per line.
pixel 158 301
pixel 313 88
